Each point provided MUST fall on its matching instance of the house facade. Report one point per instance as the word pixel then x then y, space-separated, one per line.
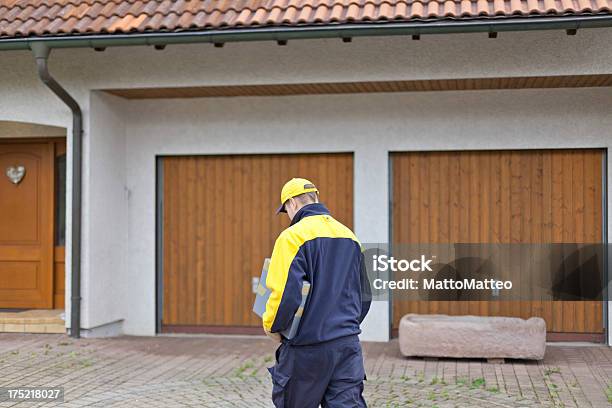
pixel 457 123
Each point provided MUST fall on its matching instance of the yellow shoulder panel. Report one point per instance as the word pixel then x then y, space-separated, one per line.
pixel 286 248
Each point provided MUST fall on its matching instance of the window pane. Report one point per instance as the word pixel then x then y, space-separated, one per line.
pixel 60 200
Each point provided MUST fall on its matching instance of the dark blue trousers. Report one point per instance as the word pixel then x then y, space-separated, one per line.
pixel 329 374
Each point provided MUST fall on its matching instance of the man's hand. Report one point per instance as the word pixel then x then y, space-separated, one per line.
pixel 274 336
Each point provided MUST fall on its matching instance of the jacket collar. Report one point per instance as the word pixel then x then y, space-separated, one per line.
pixel 308 210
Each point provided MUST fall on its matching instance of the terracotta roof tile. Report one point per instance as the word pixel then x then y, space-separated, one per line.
pixel 22 18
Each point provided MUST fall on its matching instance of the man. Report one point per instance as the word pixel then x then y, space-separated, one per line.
pixel 323 363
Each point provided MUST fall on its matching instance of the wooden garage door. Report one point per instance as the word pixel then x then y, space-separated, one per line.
pixel 539 196
pixel 219 224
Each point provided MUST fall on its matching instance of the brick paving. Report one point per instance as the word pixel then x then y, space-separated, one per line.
pixel 216 371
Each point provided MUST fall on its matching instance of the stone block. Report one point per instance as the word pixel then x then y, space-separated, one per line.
pixel 472 337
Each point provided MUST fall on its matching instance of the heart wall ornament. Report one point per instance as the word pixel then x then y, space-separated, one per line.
pixel 15 174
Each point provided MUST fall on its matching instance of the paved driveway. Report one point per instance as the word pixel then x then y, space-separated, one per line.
pixel 230 372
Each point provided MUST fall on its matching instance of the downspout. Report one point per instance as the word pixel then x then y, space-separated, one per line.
pixel 41 54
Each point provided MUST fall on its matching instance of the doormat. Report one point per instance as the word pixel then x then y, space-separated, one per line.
pixel 12 310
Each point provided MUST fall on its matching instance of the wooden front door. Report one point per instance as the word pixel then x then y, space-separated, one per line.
pixel 26 225
pixel 535 196
pixel 219 223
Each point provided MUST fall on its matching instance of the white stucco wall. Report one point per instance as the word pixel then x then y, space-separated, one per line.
pixel 106 229
pixel 13 130
pixel 122 137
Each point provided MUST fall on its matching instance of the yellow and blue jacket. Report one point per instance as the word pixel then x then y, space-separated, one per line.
pixel 318 249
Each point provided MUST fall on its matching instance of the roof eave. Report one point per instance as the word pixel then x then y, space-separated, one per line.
pixel 276 33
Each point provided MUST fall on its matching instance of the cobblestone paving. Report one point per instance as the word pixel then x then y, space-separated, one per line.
pixel 218 371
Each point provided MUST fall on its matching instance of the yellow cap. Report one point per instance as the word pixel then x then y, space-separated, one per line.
pixel 292 188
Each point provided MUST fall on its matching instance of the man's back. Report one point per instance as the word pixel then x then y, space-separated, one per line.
pixel 322 251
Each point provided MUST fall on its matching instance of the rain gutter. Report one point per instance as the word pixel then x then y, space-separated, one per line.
pixel 281 33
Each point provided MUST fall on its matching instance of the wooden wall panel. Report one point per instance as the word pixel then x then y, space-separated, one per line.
pixel 535 196
pixel 219 223
pixel 59 278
